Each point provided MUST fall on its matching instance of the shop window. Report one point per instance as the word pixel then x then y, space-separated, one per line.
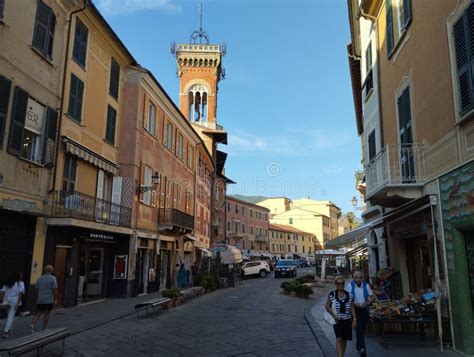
pixel 43 36
pixel 110 127
pixel 114 81
pixel 79 52
pixel 76 93
pixel 32 129
pixel 69 174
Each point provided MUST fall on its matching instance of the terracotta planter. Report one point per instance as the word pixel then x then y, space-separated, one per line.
pixel 177 301
pixel 167 305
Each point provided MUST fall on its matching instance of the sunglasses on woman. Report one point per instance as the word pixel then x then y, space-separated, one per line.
pixel 340 283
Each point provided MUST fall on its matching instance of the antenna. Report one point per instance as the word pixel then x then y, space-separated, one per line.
pixel 200 34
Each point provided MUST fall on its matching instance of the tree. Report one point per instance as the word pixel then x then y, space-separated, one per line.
pixel 351 219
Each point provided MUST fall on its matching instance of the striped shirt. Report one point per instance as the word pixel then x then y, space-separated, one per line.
pixel 338 304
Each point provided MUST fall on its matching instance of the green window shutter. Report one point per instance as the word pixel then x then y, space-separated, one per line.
pixel 5 88
pixel 76 93
pixel 110 127
pixel 389 28
pixel 2 5
pixel 50 139
pixel 79 51
pixel 17 125
pixel 406 14
pixel 463 62
pixel 404 117
pixel 114 78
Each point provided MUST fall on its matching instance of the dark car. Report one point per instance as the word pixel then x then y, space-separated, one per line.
pixel 285 267
pixel 301 263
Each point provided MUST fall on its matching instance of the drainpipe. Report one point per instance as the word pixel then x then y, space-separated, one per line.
pixel 61 106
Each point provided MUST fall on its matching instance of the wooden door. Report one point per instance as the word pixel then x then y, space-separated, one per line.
pixel 61 258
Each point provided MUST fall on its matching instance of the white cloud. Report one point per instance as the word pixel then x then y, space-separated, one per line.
pixel 115 7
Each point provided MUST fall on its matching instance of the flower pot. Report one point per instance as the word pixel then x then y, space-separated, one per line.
pixel 167 305
pixel 177 301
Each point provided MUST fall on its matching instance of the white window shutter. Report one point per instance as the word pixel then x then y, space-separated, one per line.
pixel 100 206
pixel 147 183
pixel 116 199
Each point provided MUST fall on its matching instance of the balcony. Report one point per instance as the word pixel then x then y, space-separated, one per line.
pixel 78 205
pixel 261 238
pixel 175 221
pixel 396 175
pixel 360 182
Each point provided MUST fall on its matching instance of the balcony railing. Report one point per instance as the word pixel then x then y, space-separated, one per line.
pixel 396 166
pixel 75 204
pixel 175 218
pixel 261 238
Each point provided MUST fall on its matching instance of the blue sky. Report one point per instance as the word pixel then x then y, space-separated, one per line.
pixel 286 101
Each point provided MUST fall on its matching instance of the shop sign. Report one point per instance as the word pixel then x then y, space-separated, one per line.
pixel 120 267
pixel 188 246
pixel 101 236
pixel 34 116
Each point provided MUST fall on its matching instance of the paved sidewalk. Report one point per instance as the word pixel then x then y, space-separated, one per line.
pixel 324 333
pixel 82 317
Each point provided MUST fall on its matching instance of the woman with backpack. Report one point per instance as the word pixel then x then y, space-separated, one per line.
pixel 13 291
pixel 340 305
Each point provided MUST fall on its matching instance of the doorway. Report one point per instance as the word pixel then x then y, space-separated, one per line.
pixel 95 272
pixel 61 262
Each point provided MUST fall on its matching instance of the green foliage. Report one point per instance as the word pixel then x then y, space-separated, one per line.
pixel 304 290
pixel 172 293
pixel 251 199
pixel 198 280
pixel 209 282
pixel 309 278
pixel 289 286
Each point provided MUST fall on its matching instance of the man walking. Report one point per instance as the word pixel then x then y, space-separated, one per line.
pixel 362 294
pixel 46 287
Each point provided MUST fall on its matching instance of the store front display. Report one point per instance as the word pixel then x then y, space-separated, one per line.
pixel 88 264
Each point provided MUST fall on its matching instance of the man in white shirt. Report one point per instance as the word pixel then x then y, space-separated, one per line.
pixel 363 296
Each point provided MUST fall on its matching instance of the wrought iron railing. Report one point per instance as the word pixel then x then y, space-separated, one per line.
pixel 175 217
pixel 396 165
pixel 82 206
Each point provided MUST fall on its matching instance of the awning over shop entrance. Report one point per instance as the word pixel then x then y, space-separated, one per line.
pixel 349 237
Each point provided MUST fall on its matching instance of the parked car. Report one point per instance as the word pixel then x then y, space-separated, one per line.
pixel 260 268
pixel 270 264
pixel 285 267
pixel 301 263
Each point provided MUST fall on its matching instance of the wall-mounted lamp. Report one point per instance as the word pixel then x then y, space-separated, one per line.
pixel 155 181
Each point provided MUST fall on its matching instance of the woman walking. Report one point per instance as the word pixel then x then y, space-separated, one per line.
pixel 344 314
pixel 181 276
pixel 13 291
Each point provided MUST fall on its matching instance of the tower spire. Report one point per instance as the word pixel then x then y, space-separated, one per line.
pixel 200 34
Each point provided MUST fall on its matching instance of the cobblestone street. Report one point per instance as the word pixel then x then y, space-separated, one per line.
pixel 254 319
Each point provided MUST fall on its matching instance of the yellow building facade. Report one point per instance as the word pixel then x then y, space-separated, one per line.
pixel 287 241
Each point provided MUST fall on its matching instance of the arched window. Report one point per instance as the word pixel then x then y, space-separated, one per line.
pixel 197 99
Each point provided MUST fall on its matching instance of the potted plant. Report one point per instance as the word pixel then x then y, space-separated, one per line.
pixel 289 286
pixel 303 291
pixel 174 295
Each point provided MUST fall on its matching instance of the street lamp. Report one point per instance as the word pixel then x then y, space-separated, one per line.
pixel 354 204
pixel 155 181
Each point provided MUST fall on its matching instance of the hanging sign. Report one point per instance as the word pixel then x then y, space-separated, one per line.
pixel 34 116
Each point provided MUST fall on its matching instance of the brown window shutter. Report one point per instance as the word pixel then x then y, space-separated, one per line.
pixel 17 125
pixel 142 180
pixel 5 88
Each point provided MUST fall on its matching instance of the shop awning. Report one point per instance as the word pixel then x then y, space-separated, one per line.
pixel 403 211
pixel 357 250
pixel 85 154
pixel 189 237
pixel 206 252
pixel 349 237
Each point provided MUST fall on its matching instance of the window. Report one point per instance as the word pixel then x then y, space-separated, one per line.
pixel 243 210
pixel 243 244
pixel 406 137
pixel 266 232
pixel 371 145
pixel 114 78
pixel 5 89
pixel 228 226
pixel 303 249
pixel 398 19
pixel 289 248
pixel 243 228
pixel 79 51
pixel 169 136
pixel 69 174
pixel 463 31
pixel 236 209
pixel 110 128
pixel 179 147
pixel 197 97
pixel 236 227
pixel 228 206
pixel 190 156
pixel 251 244
pixel 251 230
pixel 147 172
pixel 76 92
pixel 369 79
pixel 43 35
pixel 273 247
pixel 151 119
pixel 2 4
pixel 251 213
pixel 290 221
pixel 32 133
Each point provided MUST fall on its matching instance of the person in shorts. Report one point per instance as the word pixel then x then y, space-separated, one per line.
pixel 344 314
pixel 47 287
